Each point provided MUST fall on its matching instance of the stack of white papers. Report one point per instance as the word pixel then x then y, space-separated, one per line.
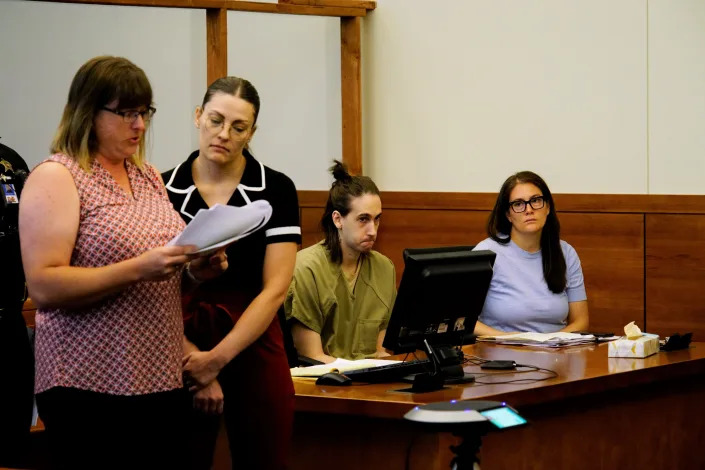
pixel 550 340
pixel 221 225
pixel 339 365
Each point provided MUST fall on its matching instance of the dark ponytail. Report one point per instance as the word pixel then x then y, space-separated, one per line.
pixel 344 188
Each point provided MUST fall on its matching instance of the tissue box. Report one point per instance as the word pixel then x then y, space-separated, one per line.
pixel 643 346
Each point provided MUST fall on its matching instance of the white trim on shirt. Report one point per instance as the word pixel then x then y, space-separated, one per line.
pixel 292 230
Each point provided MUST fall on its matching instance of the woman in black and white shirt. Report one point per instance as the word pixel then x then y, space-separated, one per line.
pixel 235 356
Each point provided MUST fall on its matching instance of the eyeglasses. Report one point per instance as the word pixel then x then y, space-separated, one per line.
pixel 519 206
pixel 131 116
pixel 216 125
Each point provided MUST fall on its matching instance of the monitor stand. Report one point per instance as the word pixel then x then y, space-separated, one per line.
pixel 443 374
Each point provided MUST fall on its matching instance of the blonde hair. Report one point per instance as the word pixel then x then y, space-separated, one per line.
pixel 98 82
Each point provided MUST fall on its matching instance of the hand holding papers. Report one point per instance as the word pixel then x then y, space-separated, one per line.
pixel 221 225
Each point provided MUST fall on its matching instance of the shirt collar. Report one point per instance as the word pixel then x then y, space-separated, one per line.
pixel 181 182
pixel 252 179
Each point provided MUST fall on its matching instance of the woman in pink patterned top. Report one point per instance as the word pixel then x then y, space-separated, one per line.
pixel 94 222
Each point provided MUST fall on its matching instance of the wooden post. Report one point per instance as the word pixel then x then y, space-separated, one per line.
pixel 216 43
pixel 350 91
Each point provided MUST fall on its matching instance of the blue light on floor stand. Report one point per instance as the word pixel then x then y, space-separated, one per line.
pixel 470 420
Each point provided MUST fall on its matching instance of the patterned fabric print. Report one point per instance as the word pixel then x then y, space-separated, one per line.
pixel 129 343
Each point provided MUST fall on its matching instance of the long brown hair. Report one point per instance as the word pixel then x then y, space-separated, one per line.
pixel 98 82
pixel 499 228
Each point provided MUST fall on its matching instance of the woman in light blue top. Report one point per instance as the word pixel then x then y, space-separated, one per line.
pixel 537 283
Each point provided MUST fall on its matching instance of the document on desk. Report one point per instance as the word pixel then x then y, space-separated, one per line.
pixel 548 340
pixel 339 365
pixel 221 224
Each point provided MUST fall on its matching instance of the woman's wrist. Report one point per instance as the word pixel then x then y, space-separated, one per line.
pixel 218 357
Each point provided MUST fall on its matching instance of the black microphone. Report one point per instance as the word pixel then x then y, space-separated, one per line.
pixel 433 357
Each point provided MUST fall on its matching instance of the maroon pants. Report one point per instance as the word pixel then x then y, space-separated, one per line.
pixel 258 408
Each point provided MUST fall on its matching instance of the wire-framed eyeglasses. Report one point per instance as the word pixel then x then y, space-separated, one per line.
pixel 237 130
pixel 519 206
pixel 131 116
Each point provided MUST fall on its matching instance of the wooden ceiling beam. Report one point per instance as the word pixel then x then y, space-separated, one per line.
pixel 339 9
pixel 295 9
pixel 366 4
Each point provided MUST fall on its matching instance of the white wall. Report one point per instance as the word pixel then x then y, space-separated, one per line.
pixel 677 96
pixel 460 97
pixel 42 45
pixel 294 62
pixel 598 96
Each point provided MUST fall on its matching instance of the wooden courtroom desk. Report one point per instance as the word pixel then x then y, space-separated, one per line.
pixel 599 413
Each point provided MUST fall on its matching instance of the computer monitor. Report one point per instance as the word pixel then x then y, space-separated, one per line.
pixel 440 297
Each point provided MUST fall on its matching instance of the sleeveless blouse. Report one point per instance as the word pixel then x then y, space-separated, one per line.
pixel 129 343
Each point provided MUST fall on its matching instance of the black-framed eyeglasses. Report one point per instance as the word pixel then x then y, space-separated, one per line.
pixel 131 116
pixel 519 206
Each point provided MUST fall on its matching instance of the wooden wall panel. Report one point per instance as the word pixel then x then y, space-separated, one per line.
pixel 643 256
pixel 414 228
pixel 675 270
pixel 310 219
pixel 611 251
pixel 647 267
pixel 28 312
pixel 400 229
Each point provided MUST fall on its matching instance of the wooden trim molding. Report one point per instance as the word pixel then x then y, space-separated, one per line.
pixel 368 5
pixel 296 9
pixel 600 203
pixel 318 9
